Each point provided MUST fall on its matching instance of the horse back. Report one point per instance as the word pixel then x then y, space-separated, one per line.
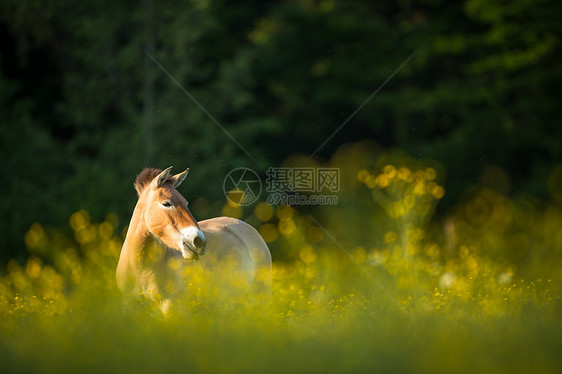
pixel 232 242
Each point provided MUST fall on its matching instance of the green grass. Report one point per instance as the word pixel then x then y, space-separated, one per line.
pixel 481 293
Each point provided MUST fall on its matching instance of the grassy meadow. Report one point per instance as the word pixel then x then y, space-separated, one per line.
pixel 375 284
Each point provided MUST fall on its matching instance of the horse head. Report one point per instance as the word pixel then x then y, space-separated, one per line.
pixel 166 215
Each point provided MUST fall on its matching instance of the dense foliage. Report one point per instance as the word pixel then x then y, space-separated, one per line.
pixel 84 107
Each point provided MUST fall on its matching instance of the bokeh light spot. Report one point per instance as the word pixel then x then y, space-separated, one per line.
pixel 263 211
pixel 231 210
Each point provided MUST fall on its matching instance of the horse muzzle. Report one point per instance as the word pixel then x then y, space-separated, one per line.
pixel 200 243
pixel 194 243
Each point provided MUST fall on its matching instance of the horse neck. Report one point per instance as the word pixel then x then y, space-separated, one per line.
pixel 141 248
pixel 137 236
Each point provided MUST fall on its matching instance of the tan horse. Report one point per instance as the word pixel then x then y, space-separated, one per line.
pixel 164 242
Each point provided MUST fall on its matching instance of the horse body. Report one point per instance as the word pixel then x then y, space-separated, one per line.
pixel 237 250
pixel 165 245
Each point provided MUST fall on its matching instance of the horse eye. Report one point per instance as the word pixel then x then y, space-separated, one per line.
pixel 167 204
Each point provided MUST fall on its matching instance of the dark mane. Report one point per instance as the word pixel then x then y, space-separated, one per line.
pixel 144 178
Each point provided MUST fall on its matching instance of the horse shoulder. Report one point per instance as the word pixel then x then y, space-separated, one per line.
pixel 225 233
pixel 228 231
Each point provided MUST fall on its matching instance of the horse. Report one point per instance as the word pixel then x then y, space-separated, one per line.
pixel 164 242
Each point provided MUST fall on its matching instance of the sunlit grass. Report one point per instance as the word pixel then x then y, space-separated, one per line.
pixel 478 292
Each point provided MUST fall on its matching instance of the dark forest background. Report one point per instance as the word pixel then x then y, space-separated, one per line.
pixel 83 107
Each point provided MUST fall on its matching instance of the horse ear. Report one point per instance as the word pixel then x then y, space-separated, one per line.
pixel 178 178
pixel 162 177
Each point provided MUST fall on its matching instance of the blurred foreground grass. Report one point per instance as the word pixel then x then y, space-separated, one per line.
pixel 479 292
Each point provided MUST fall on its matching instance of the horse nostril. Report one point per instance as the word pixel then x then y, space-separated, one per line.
pixel 199 242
